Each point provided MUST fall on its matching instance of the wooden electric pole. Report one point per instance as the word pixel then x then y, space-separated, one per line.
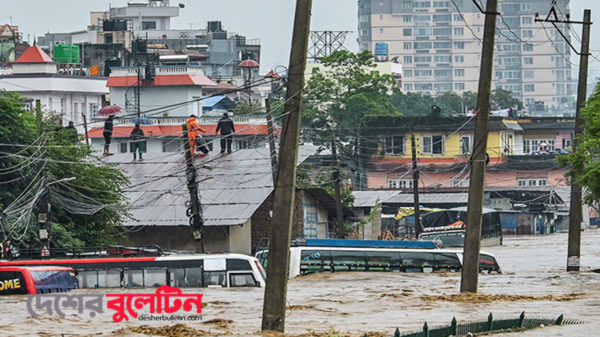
pixel 195 210
pixel 339 210
pixel 416 178
pixel 271 131
pixel 283 202
pixel 470 270
pixel 576 207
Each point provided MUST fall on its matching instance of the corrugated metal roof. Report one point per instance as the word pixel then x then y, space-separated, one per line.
pixel 231 187
pixel 369 198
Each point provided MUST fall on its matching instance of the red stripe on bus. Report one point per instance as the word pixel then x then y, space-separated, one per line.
pixel 75 261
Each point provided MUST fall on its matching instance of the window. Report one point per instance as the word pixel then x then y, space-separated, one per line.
pixel 406 18
pixel 405 5
pixel 380 30
pixel 242 280
pixel 441 72
pixel 392 183
pixel 526 7
pixel 528 74
pixel 408 73
pixel 528 33
pixel 433 144
pixel 422 59
pixel 442 31
pixel 400 183
pixel 422 18
pixel 528 60
pixel 62 105
pixel 529 87
pixel 408 59
pixel 75 108
pixel 466 143
pixel 380 17
pixel 155 277
pixel 441 4
pixel 422 31
pixel 148 25
pixel 407 32
pixel 422 45
pixel 422 4
pixel 408 87
pixel 459 59
pixel 94 110
pixel 423 86
pixel 380 3
pixel 394 145
pixel 407 45
pixel 459 86
pixel 364 18
pixel 527 20
pixel 459 45
pixel 459 72
pixel 364 32
pixel 532 182
pixel 133 278
pixel 533 146
pixel 442 18
pixel 423 72
pixel 442 45
pixel 443 59
pixel 459 31
pixel 241 144
pixel 527 47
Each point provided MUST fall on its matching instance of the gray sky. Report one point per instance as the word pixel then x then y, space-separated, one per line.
pixel 269 20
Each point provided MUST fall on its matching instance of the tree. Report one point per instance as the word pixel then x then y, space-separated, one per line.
pixel 470 100
pixel 584 162
pixel 413 103
pixel 503 99
pixel 87 211
pixel 451 103
pixel 249 108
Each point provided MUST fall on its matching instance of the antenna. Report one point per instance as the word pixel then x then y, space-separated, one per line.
pixel 325 43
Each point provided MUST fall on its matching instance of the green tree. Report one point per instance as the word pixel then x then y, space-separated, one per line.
pixel 503 99
pixel 585 163
pixel 451 103
pixel 87 211
pixel 470 100
pixel 412 104
pixel 249 108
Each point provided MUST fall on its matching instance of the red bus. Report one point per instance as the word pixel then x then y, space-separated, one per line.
pixel 37 280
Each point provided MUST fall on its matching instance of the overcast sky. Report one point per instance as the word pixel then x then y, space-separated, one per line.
pixel 269 20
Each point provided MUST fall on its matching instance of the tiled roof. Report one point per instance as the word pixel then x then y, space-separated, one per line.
pixel 161 80
pixel 34 54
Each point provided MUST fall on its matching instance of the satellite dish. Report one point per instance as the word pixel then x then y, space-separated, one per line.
pixel 181 6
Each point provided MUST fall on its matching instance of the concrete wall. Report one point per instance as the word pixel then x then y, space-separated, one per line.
pixel 240 238
pixel 156 97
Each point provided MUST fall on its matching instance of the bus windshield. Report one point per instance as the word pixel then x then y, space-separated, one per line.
pixel 50 281
pixel 445 239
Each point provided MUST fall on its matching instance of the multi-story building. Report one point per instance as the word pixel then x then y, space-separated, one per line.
pixel 439 46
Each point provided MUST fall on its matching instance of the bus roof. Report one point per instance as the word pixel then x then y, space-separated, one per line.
pixel 44 268
pixel 370 243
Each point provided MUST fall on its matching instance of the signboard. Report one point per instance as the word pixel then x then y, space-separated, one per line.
pixel 381 48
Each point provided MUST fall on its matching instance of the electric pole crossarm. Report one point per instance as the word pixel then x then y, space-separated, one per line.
pixel 483 11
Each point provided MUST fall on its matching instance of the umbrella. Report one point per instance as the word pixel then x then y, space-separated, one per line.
pixel 141 121
pixel 109 110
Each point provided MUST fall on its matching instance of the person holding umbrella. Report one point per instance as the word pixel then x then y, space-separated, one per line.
pixel 136 135
pixel 108 129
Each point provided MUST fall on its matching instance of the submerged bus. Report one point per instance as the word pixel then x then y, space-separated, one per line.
pixel 309 259
pixel 37 280
pixel 193 270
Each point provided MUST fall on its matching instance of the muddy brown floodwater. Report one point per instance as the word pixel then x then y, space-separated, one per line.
pixel 534 281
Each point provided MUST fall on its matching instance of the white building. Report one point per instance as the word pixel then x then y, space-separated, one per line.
pixel 36 76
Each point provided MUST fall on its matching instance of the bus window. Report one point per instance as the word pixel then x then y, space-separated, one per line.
pixel 383 261
pixel 215 264
pixel 488 263
pixel 447 262
pixel 215 278
pixel 314 261
pixel 88 279
pixel 109 278
pixel 417 262
pixel 263 259
pixel 133 278
pixel 238 264
pixel 12 283
pixel 155 277
pixel 193 277
pixel 348 260
pixel 178 278
pixel 242 280
pixel 53 281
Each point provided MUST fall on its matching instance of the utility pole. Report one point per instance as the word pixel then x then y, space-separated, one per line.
pixel 576 207
pixel 416 179
pixel 271 131
pixel 38 117
pixel 339 210
pixel 44 214
pixel 87 138
pixel 195 211
pixel 470 270
pixel 283 202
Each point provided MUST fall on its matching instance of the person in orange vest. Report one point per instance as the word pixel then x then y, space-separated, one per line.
pixel 193 128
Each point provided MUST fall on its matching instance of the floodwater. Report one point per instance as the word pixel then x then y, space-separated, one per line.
pixel 355 303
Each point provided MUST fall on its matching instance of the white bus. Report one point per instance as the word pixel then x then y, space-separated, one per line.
pixel 309 259
pixel 193 270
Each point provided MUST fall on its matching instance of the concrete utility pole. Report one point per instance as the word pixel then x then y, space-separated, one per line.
pixel 271 131
pixel 413 145
pixel 470 270
pixel 339 210
pixel 87 138
pixel 195 210
pixel 576 207
pixel 283 202
pixel 44 214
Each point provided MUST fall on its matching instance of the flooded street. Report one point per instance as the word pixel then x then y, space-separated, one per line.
pixel 356 303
